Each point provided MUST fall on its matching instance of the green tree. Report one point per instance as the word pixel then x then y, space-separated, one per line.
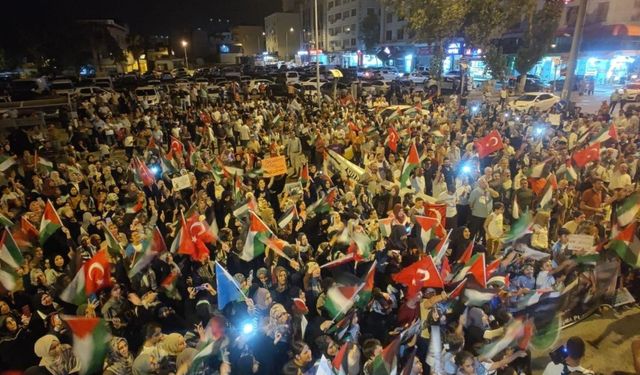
pixel 496 62
pixel 370 30
pixel 487 20
pixel 137 45
pixel 539 33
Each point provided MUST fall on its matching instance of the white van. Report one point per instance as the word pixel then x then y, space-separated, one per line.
pixel 292 77
pixel 148 94
pixel 104 82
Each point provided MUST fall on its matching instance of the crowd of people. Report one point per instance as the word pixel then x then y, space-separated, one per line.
pixel 154 240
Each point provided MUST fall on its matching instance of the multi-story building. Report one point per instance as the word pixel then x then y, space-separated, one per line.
pixel 344 23
pixel 283 34
pixel 251 38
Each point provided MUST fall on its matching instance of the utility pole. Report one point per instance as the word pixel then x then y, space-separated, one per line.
pixel 317 45
pixel 567 89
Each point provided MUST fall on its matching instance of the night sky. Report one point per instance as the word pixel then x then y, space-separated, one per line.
pixel 144 16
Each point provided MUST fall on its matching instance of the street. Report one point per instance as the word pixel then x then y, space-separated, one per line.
pixel 614 351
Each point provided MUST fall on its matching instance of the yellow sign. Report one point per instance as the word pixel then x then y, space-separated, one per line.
pixel 274 166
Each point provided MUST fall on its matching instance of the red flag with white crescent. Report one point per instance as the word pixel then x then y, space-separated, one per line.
pixel 489 144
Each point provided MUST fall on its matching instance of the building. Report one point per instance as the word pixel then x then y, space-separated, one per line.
pixel 344 24
pixel 283 34
pixel 610 48
pixel 103 52
pixel 252 39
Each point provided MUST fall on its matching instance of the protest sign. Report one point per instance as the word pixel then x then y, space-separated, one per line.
pixel 274 166
pixel 582 242
pixel 180 183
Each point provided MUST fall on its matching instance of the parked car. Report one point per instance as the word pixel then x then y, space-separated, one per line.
pixel 62 87
pixel 148 94
pixel 107 82
pixel 292 77
pixel 254 85
pixel 28 89
pixel 91 91
pixel 375 87
pixel 417 78
pixel 541 101
pixel 631 92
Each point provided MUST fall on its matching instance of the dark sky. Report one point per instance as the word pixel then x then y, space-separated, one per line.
pixel 146 16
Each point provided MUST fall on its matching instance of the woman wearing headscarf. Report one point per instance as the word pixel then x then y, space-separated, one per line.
pixel 56 358
pixel 173 344
pixel 119 361
pixel 16 339
pixel 460 239
pixel 145 364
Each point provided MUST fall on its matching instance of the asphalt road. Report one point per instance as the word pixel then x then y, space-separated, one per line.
pixel 614 351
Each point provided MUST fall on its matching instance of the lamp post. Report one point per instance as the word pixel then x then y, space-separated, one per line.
pixel 186 60
pixel 575 49
pixel 317 45
pixel 286 42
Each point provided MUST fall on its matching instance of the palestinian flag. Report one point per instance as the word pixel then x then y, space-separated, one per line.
pixel 6 162
pixel 75 293
pixel 40 162
pixel 466 255
pixel 567 171
pixel 385 226
pixel 340 298
pixel 342 260
pixel 340 362
pixel 10 260
pixel 445 269
pixel 90 342
pixel 254 243
pixel 519 228
pixel 134 207
pixel 476 295
pixel 427 226
pixel 342 325
pixel 409 364
pixel 441 249
pixel 627 212
pixel 457 291
pixel 290 214
pixel 113 246
pixel 627 245
pixel 324 204
pixel 360 246
pixel 513 331
pixel 169 286
pixel 605 135
pixel 192 155
pixel 476 267
pixel 439 212
pixel 411 162
pixel 547 194
pixel 50 222
pixel 304 175
pixel 386 363
pixel 151 248
pixel 238 191
pixel 5 221
pixel 364 296
pixel 25 234
pixel 538 171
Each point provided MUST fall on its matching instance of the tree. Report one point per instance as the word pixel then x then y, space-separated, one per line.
pixel 541 26
pixel 487 20
pixel 137 45
pixel 370 30
pixel 496 62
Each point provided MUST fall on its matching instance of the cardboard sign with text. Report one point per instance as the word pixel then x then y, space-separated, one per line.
pixel 274 166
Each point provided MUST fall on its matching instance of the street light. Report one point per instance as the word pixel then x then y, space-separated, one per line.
pixel 186 60
pixel 286 42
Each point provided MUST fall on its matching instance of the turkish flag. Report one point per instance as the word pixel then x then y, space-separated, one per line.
pixel 421 274
pixel 392 139
pixel 584 156
pixel 489 144
pixel 97 272
pixel 176 146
